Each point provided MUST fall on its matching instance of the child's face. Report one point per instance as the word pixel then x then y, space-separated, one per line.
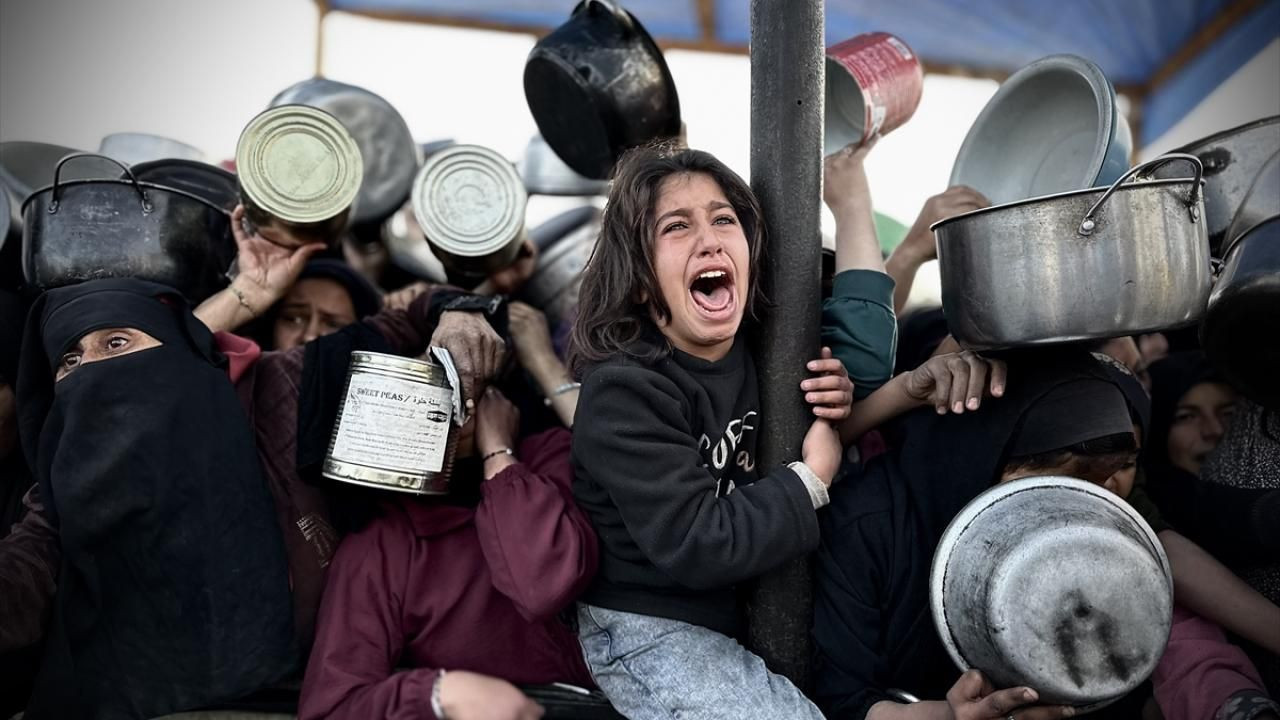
pixel 702 263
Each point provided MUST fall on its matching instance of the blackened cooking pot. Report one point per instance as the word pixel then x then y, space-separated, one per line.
pixel 1241 330
pixel 76 230
pixel 598 85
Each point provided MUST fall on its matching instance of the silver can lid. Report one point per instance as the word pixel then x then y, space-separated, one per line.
pixel 299 164
pixel 469 200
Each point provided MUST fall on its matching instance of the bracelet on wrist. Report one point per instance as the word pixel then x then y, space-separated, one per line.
pixel 562 389
pixel 504 451
pixel 244 302
pixel 436 706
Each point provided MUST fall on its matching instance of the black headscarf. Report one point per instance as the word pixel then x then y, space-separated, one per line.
pixel 15 480
pixel 173 590
pixel 365 298
pixel 13 314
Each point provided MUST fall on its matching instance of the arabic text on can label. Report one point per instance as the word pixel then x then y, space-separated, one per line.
pixel 394 424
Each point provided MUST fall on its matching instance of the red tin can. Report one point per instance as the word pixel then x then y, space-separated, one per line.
pixel 873 85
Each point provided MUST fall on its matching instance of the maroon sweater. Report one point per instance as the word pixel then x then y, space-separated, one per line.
pixel 430 586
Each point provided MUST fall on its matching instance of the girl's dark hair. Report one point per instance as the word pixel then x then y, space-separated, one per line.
pixel 619 295
pixel 1096 457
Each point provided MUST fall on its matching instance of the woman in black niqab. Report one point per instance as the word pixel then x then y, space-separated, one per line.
pixel 173 589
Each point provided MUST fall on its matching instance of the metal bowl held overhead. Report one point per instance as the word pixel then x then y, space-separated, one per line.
pixel 76 230
pixel 598 85
pixel 1082 265
pixel 470 203
pixel 132 148
pixel 1052 127
pixel 1056 584
pixel 1241 330
pixel 386 146
pixel 1232 160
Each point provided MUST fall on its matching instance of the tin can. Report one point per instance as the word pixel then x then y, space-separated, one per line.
pixel 300 168
pixel 470 203
pixel 873 85
pixel 394 429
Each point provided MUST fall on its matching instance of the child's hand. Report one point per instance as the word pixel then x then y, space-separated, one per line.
pixel 844 180
pixel 830 392
pixel 956 381
pixel 822 450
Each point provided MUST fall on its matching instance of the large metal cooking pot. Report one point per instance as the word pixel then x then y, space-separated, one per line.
pixel 77 230
pixel 386 146
pixel 598 85
pixel 1241 330
pixel 1056 584
pixel 1052 127
pixel 1232 159
pixel 132 148
pixel 1081 265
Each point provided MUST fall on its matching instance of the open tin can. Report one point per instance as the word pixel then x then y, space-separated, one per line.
pixel 394 429
pixel 470 203
pixel 873 85
pixel 298 167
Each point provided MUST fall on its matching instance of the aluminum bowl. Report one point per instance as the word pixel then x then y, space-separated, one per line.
pixel 1052 127
pixel 1056 584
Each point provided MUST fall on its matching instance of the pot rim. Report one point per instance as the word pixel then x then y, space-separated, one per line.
pixel 961 522
pixel 1217 137
pixel 1125 187
pixel 1103 91
pixel 130 183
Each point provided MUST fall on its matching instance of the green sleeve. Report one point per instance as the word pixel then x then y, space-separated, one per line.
pixel 859 326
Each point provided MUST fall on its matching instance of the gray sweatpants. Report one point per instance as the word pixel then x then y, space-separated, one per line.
pixel 653 668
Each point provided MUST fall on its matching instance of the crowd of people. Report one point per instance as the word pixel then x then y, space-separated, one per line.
pixel 169 543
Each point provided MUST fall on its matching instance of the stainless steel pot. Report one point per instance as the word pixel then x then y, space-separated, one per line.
pixel 77 230
pixel 1241 330
pixel 1056 584
pixel 1080 265
pixel 1232 159
pixel 554 285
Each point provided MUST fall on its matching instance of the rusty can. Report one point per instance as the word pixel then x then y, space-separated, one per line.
pixel 394 429
pixel 873 85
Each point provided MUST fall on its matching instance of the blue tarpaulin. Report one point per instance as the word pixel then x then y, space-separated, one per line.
pixel 1133 41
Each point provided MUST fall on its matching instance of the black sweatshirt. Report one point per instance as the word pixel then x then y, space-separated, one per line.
pixel 664 459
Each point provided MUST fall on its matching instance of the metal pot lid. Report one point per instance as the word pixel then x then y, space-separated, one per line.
pixel 210 182
pixel 299 164
pixel 28 166
pixel 389 152
pixel 132 148
pixel 469 201
pixel 1046 130
pixel 1053 583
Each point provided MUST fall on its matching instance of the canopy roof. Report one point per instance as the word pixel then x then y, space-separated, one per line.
pixel 1166 55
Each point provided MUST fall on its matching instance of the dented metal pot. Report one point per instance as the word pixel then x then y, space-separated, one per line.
pixel 1056 584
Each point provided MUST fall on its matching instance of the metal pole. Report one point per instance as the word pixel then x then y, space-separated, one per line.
pixel 786 174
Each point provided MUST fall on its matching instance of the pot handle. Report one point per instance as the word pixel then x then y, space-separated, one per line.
pixel 1087 225
pixel 57 180
pixel 614 9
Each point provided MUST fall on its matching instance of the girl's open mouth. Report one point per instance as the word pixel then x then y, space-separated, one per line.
pixel 712 291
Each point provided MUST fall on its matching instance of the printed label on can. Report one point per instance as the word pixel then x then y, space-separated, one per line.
pixel 394 424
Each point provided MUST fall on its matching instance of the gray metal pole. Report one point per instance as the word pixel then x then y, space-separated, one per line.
pixel 786 174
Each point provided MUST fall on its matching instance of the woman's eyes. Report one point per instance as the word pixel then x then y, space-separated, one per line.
pixel 69 361
pixel 295 320
pixel 1183 416
pixel 117 342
